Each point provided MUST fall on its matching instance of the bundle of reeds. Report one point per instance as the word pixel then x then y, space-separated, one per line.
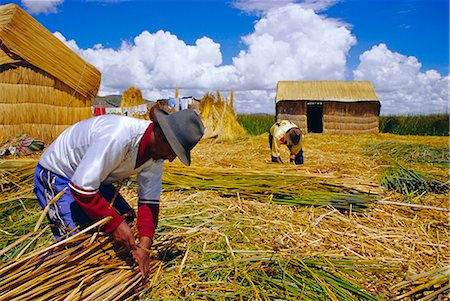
pixel 425 286
pixel 289 189
pixel 81 267
pixel 409 152
pixel 131 97
pixel 219 118
pixel 407 181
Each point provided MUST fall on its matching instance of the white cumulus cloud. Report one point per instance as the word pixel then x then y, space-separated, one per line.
pixel 291 43
pixel 41 6
pixel 158 62
pixel 261 7
pixel 401 85
pixel 288 43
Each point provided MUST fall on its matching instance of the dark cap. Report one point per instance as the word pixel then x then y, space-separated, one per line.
pixel 293 136
pixel 182 129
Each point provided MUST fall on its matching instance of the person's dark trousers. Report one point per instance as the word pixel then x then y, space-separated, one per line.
pixel 270 141
pixel 299 157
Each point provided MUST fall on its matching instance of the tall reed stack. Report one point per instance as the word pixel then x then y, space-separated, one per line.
pixel 132 97
pixel 44 86
pixel 219 118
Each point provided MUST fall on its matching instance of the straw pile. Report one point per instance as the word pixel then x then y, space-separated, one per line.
pixel 45 85
pixel 82 267
pixel 132 97
pixel 235 242
pixel 219 118
pixel 24 38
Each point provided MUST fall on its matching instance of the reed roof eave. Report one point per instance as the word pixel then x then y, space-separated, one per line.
pixel 26 38
pixel 342 91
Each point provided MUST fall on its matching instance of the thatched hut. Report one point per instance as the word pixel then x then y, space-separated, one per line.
pixel 331 107
pixel 44 85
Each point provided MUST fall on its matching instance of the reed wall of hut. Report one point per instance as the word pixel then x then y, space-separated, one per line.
pixel 44 86
pixel 294 111
pixel 36 103
pixel 350 117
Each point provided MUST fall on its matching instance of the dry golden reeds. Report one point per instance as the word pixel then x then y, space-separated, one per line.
pixel 84 266
pixel 28 40
pixel 230 247
pixel 45 86
pixel 131 97
pixel 219 118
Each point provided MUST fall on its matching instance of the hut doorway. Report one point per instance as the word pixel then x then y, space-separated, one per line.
pixel 314 117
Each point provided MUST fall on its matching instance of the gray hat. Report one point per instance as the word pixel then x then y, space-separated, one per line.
pixel 293 136
pixel 182 129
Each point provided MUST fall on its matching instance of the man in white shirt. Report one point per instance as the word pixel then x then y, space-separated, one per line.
pixel 88 157
pixel 287 133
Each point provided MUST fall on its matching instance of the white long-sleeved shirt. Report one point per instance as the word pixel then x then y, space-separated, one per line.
pixel 104 149
pixel 278 131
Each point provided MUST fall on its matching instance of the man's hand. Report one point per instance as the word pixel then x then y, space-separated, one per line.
pixel 141 255
pixel 292 158
pixel 276 159
pixel 124 236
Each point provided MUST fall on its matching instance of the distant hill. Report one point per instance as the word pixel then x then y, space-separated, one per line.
pixel 112 101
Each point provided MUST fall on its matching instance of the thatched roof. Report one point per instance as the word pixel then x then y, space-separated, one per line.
pixel 344 91
pixel 22 38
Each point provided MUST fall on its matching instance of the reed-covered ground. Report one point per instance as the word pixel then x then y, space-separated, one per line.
pixel 365 218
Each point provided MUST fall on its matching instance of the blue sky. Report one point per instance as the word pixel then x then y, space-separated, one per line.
pixel 401 46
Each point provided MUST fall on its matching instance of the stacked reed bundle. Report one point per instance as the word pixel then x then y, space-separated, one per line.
pixel 291 189
pixel 25 38
pixel 403 170
pixel 82 267
pixel 45 85
pixel 131 97
pixel 219 118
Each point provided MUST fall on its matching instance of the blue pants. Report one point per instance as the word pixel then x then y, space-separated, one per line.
pixel 65 215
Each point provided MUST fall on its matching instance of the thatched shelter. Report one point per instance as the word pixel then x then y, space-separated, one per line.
pixel 331 107
pixel 44 86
